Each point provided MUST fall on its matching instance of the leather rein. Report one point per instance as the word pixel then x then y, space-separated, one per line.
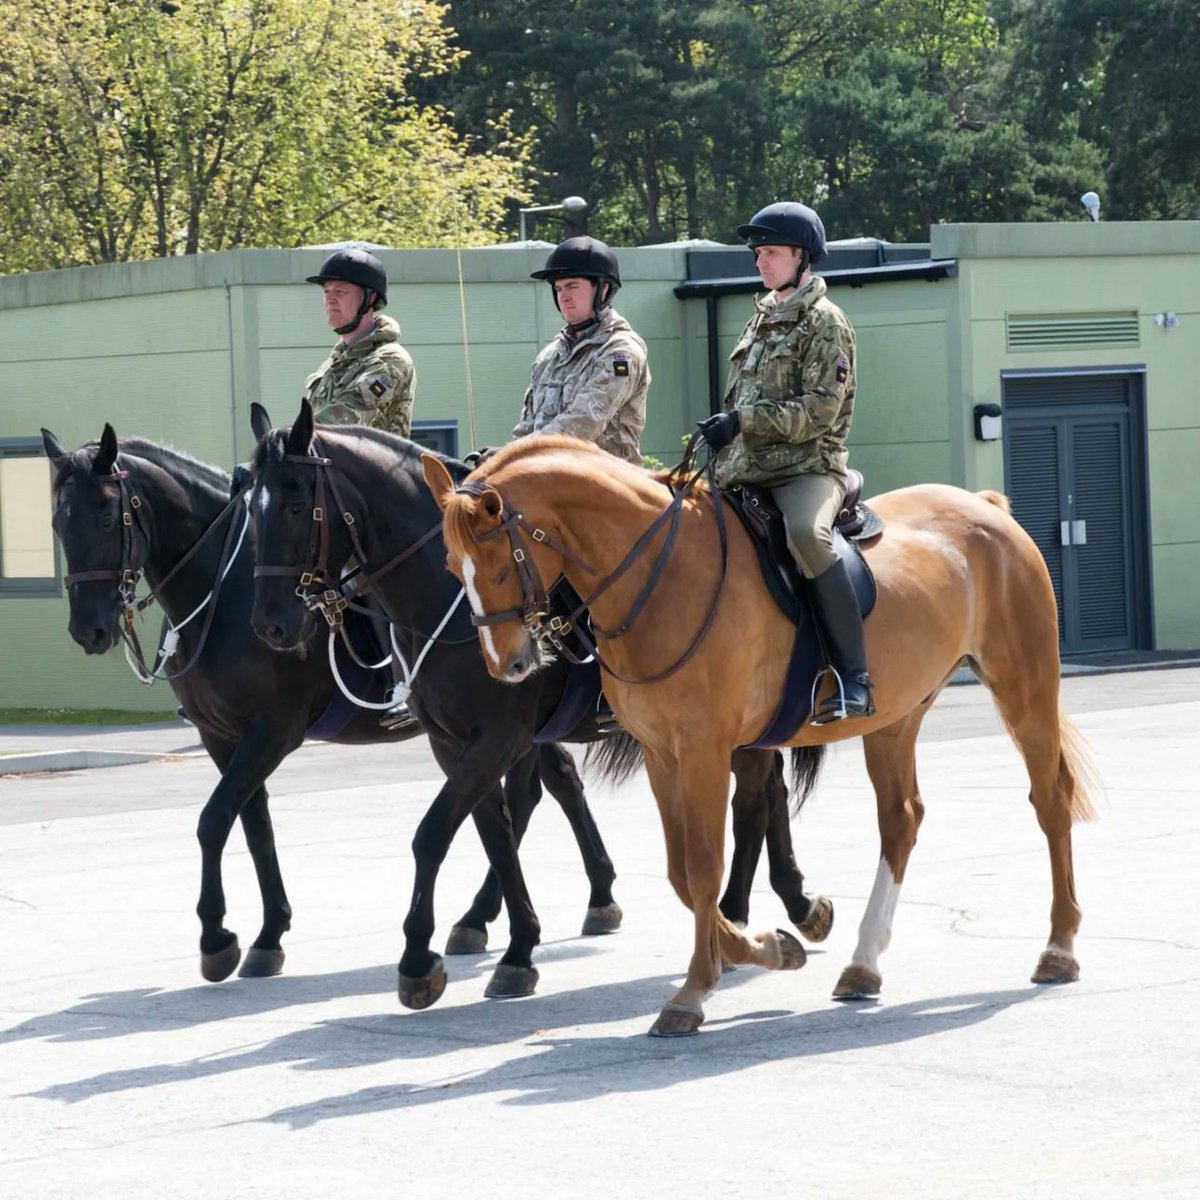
pixel 534 596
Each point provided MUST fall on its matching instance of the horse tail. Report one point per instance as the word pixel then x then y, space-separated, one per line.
pixel 614 758
pixel 807 762
pixel 1078 779
pixel 999 499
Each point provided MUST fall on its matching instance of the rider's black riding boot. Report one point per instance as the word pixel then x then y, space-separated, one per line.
pixel 836 608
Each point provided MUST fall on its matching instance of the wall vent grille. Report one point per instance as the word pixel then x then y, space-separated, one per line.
pixel 1069 331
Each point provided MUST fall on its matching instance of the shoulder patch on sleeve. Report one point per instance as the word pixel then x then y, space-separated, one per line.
pixel 378 386
pixel 620 365
pixel 843 368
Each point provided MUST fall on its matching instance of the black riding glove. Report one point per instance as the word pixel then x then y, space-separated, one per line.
pixel 241 477
pixel 720 430
pixel 478 457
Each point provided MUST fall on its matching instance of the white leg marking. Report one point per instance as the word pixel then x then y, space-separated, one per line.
pixel 264 498
pixel 875 932
pixel 468 574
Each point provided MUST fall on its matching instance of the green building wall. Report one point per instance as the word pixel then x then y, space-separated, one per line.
pixel 178 349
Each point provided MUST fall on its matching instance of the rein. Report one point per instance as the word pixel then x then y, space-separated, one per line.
pixel 534 597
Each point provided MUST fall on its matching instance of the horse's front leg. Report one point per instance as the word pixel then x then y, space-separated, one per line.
pixel 692 791
pixel 522 792
pixel 265 956
pixel 243 769
pixel 472 775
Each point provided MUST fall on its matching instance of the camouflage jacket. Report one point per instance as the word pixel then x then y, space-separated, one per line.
pixel 369 382
pixel 792 381
pixel 593 387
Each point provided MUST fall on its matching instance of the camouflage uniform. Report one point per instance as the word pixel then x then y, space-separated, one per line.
pixel 592 387
pixel 792 381
pixel 370 382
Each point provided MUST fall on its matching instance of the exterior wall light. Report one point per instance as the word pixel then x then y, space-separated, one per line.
pixel 987 422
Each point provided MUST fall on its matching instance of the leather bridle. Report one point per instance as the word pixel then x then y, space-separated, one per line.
pixel 329 600
pixel 534 607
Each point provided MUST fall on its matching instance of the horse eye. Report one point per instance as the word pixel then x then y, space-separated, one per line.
pixel 297 508
pixel 108 522
pixel 502 576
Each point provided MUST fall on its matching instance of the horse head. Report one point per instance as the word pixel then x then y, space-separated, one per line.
pixel 502 562
pixel 102 526
pixel 303 533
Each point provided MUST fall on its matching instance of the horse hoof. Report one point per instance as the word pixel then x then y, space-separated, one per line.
pixel 858 983
pixel 602 920
pixel 816 926
pixel 261 964
pixel 508 983
pixel 422 991
pixel 465 940
pixel 675 1021
pixel 215 967
pixel 1056 966
pixel 792 955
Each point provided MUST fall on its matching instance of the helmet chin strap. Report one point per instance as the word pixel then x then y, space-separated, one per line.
pixel 802 265
pixel 363 309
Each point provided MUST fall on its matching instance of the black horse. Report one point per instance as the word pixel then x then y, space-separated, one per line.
pixel 141 506
pixel 366 491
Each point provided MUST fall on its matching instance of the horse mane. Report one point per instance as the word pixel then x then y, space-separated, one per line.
pixel 178 463
pixel 271 448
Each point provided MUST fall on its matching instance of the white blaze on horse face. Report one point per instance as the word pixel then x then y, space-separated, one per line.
pixel 875 932
pixel 264 499
pixel 468 576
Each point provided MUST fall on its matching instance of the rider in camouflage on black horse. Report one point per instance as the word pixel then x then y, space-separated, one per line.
pixel 788 406
pixel 369 378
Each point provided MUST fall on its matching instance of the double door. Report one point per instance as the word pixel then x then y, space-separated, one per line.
pixel 1074 468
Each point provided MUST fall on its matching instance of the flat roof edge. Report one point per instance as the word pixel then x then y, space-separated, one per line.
pixel 932 269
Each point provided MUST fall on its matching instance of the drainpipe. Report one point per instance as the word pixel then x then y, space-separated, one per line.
pixel 232 384
pixel 714 356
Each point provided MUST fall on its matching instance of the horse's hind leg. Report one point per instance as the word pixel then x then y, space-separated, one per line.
pixel 892 766
pixel 760 811
pixel 265 956
pixel 1026 695
pixel 563 783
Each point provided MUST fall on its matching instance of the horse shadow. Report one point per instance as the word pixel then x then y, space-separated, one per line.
pixel 564 1069
pixel 572 1069
pixel 150 1010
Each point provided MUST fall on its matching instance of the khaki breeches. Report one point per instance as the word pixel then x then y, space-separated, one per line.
pixel 810 504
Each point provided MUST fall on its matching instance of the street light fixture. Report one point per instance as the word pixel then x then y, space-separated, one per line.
pixel 572 206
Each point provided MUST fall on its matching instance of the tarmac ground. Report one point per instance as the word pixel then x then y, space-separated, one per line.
pixel 123 1074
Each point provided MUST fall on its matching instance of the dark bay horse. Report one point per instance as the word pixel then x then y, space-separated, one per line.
pixel 370 482
pixel 250 705
pixel 957 578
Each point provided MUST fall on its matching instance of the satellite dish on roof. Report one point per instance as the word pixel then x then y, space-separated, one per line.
pixel 1091 202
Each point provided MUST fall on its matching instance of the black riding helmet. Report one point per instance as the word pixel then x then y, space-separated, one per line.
pixel 583 258
pixel 360 267
pixel 786 224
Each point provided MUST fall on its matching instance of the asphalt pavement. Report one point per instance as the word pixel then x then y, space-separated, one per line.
pixel 123 1074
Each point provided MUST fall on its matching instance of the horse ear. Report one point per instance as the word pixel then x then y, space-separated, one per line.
pixel 260 421
pixel 54 451
pixel 491 503
pixel 300 438
pixel 437 479
pixel 106 456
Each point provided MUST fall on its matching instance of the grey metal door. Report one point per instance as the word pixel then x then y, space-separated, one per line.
pixel 1074 473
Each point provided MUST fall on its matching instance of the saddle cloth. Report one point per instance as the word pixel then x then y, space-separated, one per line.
pixel 763 521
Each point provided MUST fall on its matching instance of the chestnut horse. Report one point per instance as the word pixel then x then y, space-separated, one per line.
pixel 698 669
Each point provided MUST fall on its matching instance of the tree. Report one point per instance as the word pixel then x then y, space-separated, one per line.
pixel 134 128
pixel 1125 76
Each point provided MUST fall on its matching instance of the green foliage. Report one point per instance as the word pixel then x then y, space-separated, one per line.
pixel 133 128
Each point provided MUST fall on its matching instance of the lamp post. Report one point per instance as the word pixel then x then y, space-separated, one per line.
pixel 573 206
